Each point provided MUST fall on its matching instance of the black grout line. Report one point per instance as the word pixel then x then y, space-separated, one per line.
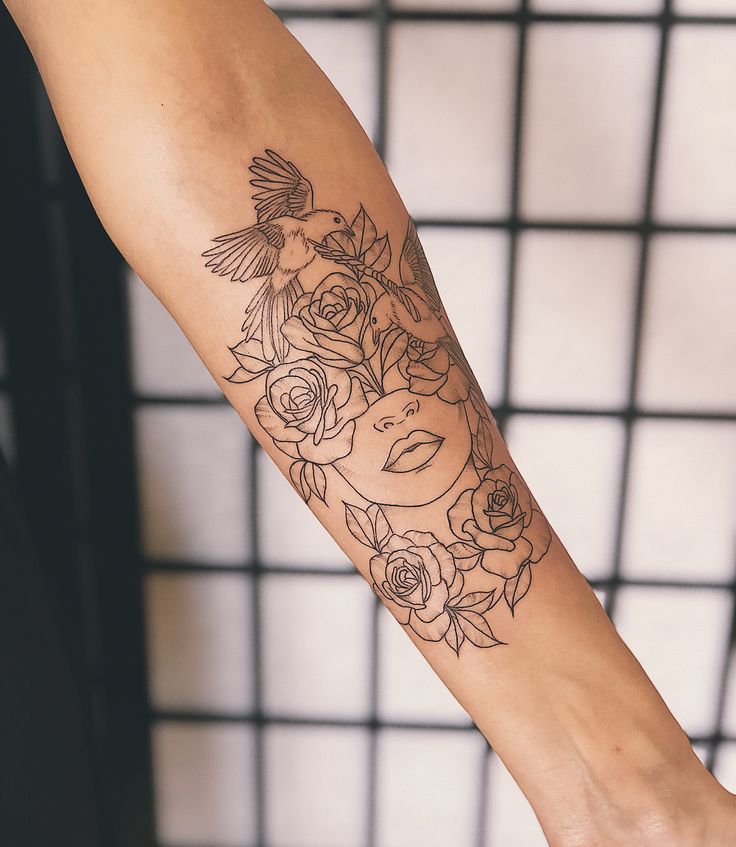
pixel 484 785
pixel 460 15
pixel 213 717
pixel 725 679
pixel 255 569
pixel 501 411
pixel 638 316
pixel 575 225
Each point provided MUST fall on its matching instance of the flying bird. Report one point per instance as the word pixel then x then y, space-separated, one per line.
pixel 414 305
pixel 276 248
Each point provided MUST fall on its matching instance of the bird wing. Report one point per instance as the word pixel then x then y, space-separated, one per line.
pixel 414 268
pixel 282 188
pixel 247 253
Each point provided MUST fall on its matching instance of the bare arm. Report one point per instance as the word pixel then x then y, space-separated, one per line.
pixel 241 189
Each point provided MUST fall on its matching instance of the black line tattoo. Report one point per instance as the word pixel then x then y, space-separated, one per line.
pixel 366 389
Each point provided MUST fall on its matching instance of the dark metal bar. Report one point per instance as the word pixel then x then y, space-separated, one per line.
pixel 723 686
pixel 203 717
pixel 574 225
pixel 449 15
pixel 638 315
pixel 255 569
pixel 501 412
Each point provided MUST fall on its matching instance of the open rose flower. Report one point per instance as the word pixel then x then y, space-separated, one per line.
pixel 416 576
pixel 309 410
pixel 329 322
pixel 498 521
pixel 430 370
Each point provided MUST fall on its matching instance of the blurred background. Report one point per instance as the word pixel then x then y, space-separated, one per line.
pixel 570 164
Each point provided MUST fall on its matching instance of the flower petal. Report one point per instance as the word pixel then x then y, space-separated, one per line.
pixel 459 513
pixel 538 535
pixel 331 448
pixel 435 604
pixel 434 631
pixel 274 425
pixel 506 563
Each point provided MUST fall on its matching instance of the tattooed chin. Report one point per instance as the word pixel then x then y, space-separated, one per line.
pixel 423 445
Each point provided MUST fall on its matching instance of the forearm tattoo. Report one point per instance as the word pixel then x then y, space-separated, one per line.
pixel 367 391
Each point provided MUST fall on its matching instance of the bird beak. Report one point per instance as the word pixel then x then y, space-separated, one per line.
pixel 347 231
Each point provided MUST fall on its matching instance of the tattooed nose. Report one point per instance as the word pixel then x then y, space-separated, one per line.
pixel 390 421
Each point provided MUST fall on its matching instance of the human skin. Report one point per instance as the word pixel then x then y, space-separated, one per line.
pixel 164 106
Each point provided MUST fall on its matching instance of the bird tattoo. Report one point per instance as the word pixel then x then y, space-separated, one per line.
pixel 414 305
pixel 276 248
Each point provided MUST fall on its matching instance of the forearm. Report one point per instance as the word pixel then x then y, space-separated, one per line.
pixel 164 106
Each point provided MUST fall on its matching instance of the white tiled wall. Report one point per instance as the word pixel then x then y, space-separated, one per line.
pixel 586 120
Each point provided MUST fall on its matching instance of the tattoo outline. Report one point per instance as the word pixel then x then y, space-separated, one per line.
pixel 358 366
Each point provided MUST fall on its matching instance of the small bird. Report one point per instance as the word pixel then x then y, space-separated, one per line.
pixel 276 248
pixel 414 305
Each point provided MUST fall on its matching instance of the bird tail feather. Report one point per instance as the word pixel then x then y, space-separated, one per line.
pixel 266 314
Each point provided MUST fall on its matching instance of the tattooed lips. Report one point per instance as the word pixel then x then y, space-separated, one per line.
pixel 412 452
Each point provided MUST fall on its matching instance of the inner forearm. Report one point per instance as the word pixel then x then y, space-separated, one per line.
pixel 313 307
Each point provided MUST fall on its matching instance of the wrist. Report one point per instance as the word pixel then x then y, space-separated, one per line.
pixel 593 746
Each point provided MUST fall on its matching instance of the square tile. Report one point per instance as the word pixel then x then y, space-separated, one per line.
pixel 689 342
pixel 587 115
pixel 204 784
pixel 316 786
pixel 408 687
pixel 450 102
pixel 318 4
pixel 572 466
pixel 192 473
pixel 573 316
pixel 511 820
pixel 725 770
pixel 705 7
pixel 163 362
pixel 199 641
pixel 314 642
pixel 428 788
pixel 470 5
pixel 347 52
pixel 470 267
pixel 698 131
pixel 288 532
pixel 681 503
pixel 729 712
pixel 679 637
pixel 595 7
